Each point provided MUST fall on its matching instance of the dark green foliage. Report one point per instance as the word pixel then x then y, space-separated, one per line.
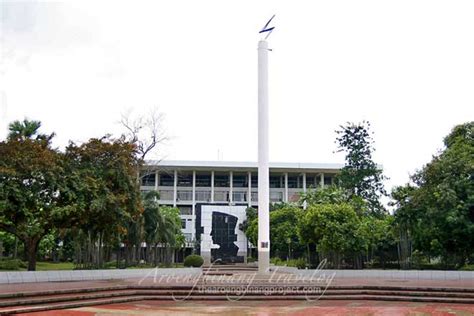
pixel 299 263
pixel 284 239
pixel 11 264
pixel 251 214
pixel 437 211
pixel 32 185
pixel 333 228
pixel 193 261
pixel 360 176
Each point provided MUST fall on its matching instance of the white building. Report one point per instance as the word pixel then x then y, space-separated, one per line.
pixel 190 185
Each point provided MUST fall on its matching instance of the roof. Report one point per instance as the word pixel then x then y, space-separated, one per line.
pixel 245 165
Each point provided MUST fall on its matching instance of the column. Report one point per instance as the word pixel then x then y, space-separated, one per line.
pixel 304 182
pixel 286 187
pixel 231 187
pixel 263 166
pixel 156 183
pixel 322 180
pixel 304 189
pixel 249 192
pixel 175 187
pixel 194 193
pixel 212 186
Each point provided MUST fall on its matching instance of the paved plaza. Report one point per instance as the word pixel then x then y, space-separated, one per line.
pixel 267 308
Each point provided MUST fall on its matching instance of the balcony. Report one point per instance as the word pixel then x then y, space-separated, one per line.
pixel 166 195
pixel 203 195
pixel 221 195
pixel 276 196
pixel 239 197
pixel 254 196
pixel 294 195
pixel 184 195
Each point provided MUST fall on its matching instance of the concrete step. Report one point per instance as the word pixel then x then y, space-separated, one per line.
pixel 95 302
pixel 215 290
pixel 69 298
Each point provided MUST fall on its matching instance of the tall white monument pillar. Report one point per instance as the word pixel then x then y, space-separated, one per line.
pixel 263 172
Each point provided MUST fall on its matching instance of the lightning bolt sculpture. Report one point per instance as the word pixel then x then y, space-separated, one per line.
pixel 267 29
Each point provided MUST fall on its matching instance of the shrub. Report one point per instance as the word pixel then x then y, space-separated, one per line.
pixel 11 264
pixel 277 261
pixel 467 267
pixel 297 263
pixel 251 259
pixel 193 261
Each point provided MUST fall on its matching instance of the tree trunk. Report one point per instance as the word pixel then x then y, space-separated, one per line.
pixel 31 245
pixel 15 249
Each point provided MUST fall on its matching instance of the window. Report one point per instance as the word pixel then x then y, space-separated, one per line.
pixel 254 180
pixel 277 182
pixel 185 180
pixel 148 179
pixel 295 181
pixel 221 180
pixel 183 224
pixel 240 180
pixel 203 180
pixel 327 180
pixel 166 180
pixel 310 181
pixel 185 210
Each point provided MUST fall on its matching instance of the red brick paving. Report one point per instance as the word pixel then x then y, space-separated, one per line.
pixel 258 307
pixel 268 308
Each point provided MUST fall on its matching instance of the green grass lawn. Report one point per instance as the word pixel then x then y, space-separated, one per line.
pixel 51 266
pixel 47 266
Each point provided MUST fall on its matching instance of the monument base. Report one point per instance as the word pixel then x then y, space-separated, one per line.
pixel 263 262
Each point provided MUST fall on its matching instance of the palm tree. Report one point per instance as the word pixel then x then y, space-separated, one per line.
pixel 23 130
pixel 26 129
pixel 157 227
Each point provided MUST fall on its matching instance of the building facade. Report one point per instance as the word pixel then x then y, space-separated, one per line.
pixel 194 186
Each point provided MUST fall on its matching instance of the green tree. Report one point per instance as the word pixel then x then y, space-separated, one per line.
pixel 379 238
pixel 361 176
pixel 23 130
pixel 334 229
pixel 442 202
pixel 323 195
pixel 171 234
pixel 284 240
pixel 103 181
pixel 32 189
pixel 162 224
pixel 405 221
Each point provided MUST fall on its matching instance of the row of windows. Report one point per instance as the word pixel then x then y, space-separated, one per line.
pixel 238 180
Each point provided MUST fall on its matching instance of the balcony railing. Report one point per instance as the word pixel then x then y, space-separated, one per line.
pixel 276 196
pixel 166 195
pixel 203 196
pixel 239 196
pixel 185 195
pixel 294 195
pixel 221 196
pixel 254 196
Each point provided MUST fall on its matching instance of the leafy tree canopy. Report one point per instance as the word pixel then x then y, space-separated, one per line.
pixel 361 176
pixel 32 184
pixel 440 207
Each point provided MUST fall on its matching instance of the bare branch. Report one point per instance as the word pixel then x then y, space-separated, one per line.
pixel 145 131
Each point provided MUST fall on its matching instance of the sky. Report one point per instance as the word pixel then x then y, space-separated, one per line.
pixel 405 66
